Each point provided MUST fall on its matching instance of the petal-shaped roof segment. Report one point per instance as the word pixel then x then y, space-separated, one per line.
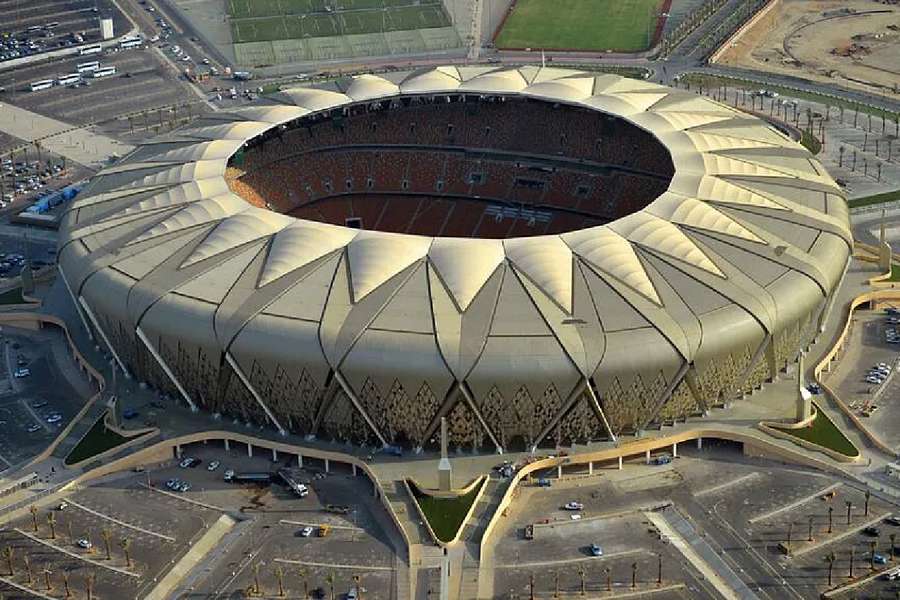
pixel 658 234
pixel 249 225
pixel 376 257
pixel 367 87
pixel 301 243
pixel 547 261
pixel 464 265
pixel 610 252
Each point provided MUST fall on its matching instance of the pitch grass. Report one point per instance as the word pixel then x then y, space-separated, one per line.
pixel 823 432
pixel 445 515
pixel 97 440
pixel 13 296
pixel 600 25
pixel 876 199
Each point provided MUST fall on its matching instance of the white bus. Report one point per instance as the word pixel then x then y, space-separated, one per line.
pixel 95 49
pixel 104 72
pixel 69 79
pixel 132 43
pixel 87 66
pixel 41 85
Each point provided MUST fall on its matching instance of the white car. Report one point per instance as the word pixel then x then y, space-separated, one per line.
pixel 20 373
pixel 573 505
pixel 54 418
pixel 62 506
pixel 213 465
pixel 185 463
pixel 306 532
pixel 85 543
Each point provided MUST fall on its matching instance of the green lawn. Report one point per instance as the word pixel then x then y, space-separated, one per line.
pixel 811 142
pixel 876 199
pixel 895 272
pixel 13 296
pixel 825 433
pixel 97 440
pixel 445 515
pixel 620 25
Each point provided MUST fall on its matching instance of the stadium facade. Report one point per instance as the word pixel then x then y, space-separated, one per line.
pixel 688 302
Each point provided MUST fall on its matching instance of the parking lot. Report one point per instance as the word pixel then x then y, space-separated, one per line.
pixel 877 403
pixel 32 28
pixel 743 511
pixel 33 407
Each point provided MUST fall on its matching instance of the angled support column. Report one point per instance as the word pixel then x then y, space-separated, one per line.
pixel 240 373
pixel 90 314
pixel 471 401
pixel 356 404
pixel 75 302
pixel 162 364
pixel 596 402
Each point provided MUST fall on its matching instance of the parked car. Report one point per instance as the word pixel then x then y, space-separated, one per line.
pixel 573 505
pixel 84 543
pixel 893 520
pixel 306 532
pixel 33 428
pixel 22 372
pixel 213 465
pixel 872 531
pixel 596 550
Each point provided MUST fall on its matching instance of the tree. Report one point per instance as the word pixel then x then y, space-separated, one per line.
pixel 581 574
pixel 89 586
pixel 33 510
pixel 608 579
pixel 303 577
pixel 659 569
pixel 356 580
pixel 633 575
pixel 330 580
pixel 279 575
pixel 51 521
pixel 28 572
pixel 556 579
pixel 830 558
pixel 789 536
pixel 851 563
pixel 126 546
pixel 8 554
pixel 107 536
pixel 848 502
pixel 830 518
pixel 809 537
pixel 868 496
pixel 68 592
pixel 256 591
pixel 531 585
pixel 872 545
pixel 47 573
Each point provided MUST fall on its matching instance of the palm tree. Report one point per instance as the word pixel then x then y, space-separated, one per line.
pixel 830 558
pixel 329 579
pixel 33 510
pixel 848 502
pixel 851 563
pixel 556 579
pixel 126 545
pixel 303 576
pixel 789 536
pixel 872 545
pixel 608 579
pixel 89 585
pixel 65 576
pixel 633 575
pixel 581 574
pixel 28 569
pixel 830 513
pixel 356 580
pixel 279 575
pixel 256 579
pixel 107 536
pixel 868 496
pixel 531 585
pixel 8 553
pixel 809 538
pixel 47 573
pixel 659 569
pixel 51 521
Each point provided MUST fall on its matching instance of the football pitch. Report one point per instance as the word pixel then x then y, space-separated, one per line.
pixel 599 25
pixel 270 20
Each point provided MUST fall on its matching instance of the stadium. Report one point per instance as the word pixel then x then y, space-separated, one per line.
pixel 546 257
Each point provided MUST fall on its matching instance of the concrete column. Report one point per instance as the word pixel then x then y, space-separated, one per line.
pixel 647 456
pixel 699 443
pixel 274 455
pixel 353 467
pixel 300 460
pixel 178 451
pixel 227 445
pixel 620 463
pixel 590 468
pixel 559 471
pixel 249 449
pixel 327 466
pixel 675 450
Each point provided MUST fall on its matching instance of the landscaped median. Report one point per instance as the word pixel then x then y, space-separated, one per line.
pixel 102 439
pixel 446 513
pixel 818 433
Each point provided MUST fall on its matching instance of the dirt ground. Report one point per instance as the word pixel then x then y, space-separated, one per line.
pixel 855 43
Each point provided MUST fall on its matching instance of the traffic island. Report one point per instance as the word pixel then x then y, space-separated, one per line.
pixel 817 432
pixel 445 513
pixel 102 440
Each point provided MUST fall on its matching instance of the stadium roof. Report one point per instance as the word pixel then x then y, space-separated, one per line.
pixel 748 213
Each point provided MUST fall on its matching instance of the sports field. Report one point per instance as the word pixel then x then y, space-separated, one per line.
pixel 269 20
pixel 599 25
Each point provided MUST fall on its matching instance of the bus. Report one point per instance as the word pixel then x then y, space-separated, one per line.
pixel 69 79
pixel 95 49
pixel 104 72
pixel 41 85
pixel 127 44
pixel 87 66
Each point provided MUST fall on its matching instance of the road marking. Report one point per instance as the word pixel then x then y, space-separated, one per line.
pixel 795 504
pixel 333 566
pixel 843 535
pixel 726 485
pixel 96 563
pixel 27 590
pixel 569 561
pixel 330 526
pixel 118 522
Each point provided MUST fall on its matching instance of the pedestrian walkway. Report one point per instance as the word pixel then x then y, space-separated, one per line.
pixel 77 144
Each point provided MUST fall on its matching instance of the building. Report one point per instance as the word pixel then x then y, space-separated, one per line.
pixel 640 254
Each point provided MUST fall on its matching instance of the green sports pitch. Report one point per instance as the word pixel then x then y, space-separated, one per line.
pixel 271 20
pixel 598 25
